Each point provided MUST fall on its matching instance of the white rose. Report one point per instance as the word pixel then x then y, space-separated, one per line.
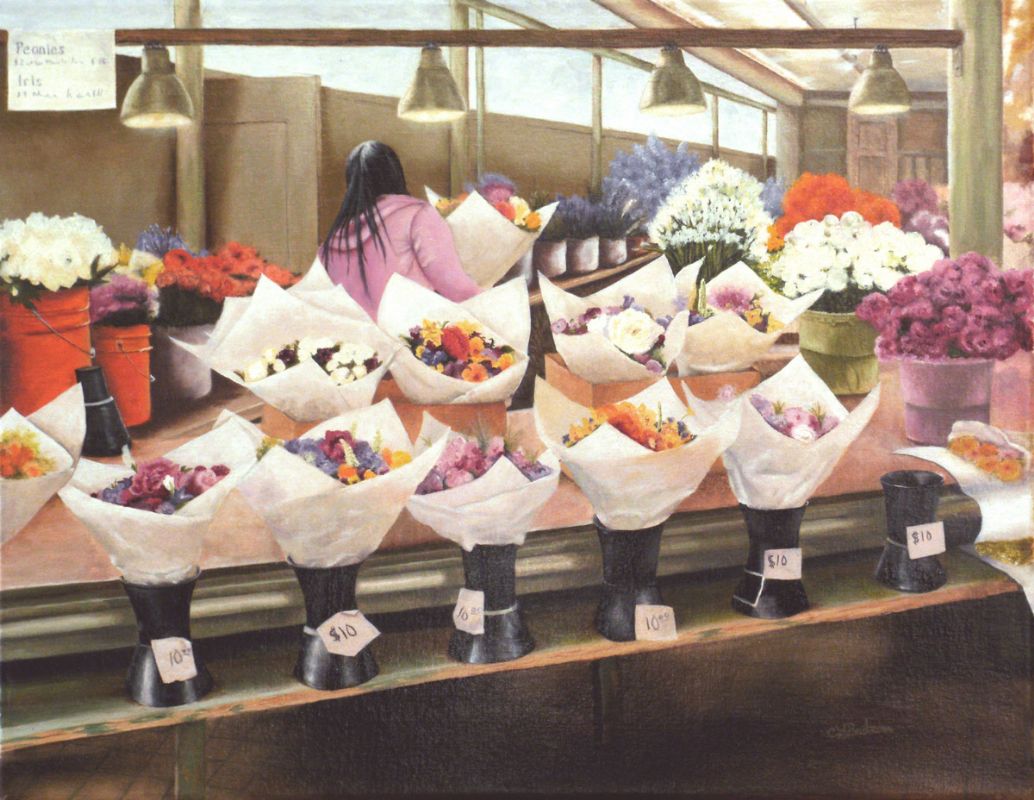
pixel 306 348
pixel 598 324
pixel 359 370
pixel 255 371
pixel 278 365
pixel 803 433
pixel 269 355
pixel 633 331
pixel 342 375
pixel 324 343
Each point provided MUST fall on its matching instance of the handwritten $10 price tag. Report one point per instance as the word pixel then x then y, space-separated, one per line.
pixel 175 659
pixel 347 633
pixel 925 540
pixel 783 565
pixel 469 614
pixel 655 623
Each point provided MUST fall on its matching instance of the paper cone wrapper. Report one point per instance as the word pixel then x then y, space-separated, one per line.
pixel 592 355
pixel 305 392
pixel 406 303
pixel 630 486
pixel 487 243
pixel 496 509
pixel 725 342
pixel 61 427
pixel 159 549
pixel 768 470
pixel 319 521
pixel 1005 508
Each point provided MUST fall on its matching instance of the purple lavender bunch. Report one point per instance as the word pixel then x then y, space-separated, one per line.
pixel 158 241
pixel 122 302
pixel 912 196
pixel 648 174
pixel 580 216
pixel 772 196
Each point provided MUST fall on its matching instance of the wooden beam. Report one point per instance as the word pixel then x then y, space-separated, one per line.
pixel 629 38
pixel 459 64
pixel 596 148
pixel 975 130
pixel 190 154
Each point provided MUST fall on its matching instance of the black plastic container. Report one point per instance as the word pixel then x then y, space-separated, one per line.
pixel 911 498
pixel 106 434
pixel 162 612
pixel 770 598
pixel 328 590
pixel 492 569
pixel 629 578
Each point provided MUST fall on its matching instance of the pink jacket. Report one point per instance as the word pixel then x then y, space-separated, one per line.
pixel 417 244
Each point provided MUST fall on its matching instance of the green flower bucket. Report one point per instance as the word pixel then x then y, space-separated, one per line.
pixel 841 350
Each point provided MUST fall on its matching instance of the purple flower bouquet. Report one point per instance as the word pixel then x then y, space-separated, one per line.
pixel 122 302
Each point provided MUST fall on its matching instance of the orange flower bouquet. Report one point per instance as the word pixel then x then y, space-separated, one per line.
pixel 814 196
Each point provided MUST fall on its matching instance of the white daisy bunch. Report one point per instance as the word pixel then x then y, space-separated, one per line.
pixel 716 214
pixel 52 252
pixel 848 256
pixel 344 362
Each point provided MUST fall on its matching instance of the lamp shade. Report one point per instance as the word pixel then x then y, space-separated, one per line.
pixel 157 98
pixel 433 96
pixel 880 88
pixel 672 89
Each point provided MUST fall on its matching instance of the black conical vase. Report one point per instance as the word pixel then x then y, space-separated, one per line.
pixel 910 497
pixel 328 590
pixel 492 569
pixel 769 598
pixel 162 612
pixel 106 434
pixel 629 578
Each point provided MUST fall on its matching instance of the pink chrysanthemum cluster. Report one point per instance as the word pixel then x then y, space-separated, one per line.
pixel 465 460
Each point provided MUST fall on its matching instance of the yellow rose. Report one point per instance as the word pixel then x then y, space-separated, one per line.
pixel 521 210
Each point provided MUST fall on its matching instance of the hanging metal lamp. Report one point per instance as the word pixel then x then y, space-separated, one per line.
pixel 880 89
pixel 157 98
pixel 672 89
pixel 433 96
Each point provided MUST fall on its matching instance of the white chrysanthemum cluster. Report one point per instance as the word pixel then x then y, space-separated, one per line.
pixel 347 362
pixel 840 252
pixel 52 252
pixel 718 204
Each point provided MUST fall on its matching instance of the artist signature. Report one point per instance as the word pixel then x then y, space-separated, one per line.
pixel 852 730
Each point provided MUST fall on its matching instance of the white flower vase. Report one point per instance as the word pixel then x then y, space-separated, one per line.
pixel 583 255
pixel 550 258
pixel 179 375
pixel 613 252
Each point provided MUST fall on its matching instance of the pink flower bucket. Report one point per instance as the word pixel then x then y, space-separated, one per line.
pixel 939 393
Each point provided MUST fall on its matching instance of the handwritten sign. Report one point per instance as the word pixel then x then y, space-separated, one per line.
pixel 60 70
pixel 469 614
pixel 347 633
pixel 783 564
pixel 655 623
pixel 925 540
pixel 174 656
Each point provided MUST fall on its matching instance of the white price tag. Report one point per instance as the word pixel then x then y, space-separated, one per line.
pixel 925 540
pixel 469 614
pixel 783 565
pixel 175 659
pixel 347 633
pixel 60 70
pixel 655 623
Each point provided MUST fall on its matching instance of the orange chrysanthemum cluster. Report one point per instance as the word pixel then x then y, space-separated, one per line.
pixel 637 422
pixel 815 196
pixel 1004 463
pixel 20 455
pixel 232 271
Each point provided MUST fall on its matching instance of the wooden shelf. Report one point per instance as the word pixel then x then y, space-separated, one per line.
pixel 55 701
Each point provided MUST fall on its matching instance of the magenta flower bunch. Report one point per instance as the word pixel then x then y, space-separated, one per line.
pixel 912 196
pixel 796 422
pixel 122 302
pixel 960 308
pixel 162 486
pixel 464 460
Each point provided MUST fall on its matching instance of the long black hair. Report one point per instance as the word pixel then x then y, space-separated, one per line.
pixel 373 169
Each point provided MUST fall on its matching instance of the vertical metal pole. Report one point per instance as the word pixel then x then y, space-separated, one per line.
pixel 715 148
pixel 596 150
pixel 190 761
pixel 190 155
pixel 479 84
pixel 975 129
pixel 459 135
pixel 764 143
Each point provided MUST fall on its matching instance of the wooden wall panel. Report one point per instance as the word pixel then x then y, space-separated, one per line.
pixel 824 140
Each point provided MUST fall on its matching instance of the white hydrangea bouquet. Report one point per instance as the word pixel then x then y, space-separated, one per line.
pixel 42 253
pixel 849 258
pixel 630 330
pixel 303 358
pixel 716 214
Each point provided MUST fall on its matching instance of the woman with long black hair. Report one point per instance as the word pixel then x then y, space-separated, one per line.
pixel 381 230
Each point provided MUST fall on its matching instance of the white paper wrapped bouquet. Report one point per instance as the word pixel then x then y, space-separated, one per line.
pixel 470 352
pixel 38 454
pixel 630 330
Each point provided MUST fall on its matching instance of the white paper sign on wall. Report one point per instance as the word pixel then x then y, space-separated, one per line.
pixel 347 633
pixel 174 656
pixel 60 70
pixel 925 540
